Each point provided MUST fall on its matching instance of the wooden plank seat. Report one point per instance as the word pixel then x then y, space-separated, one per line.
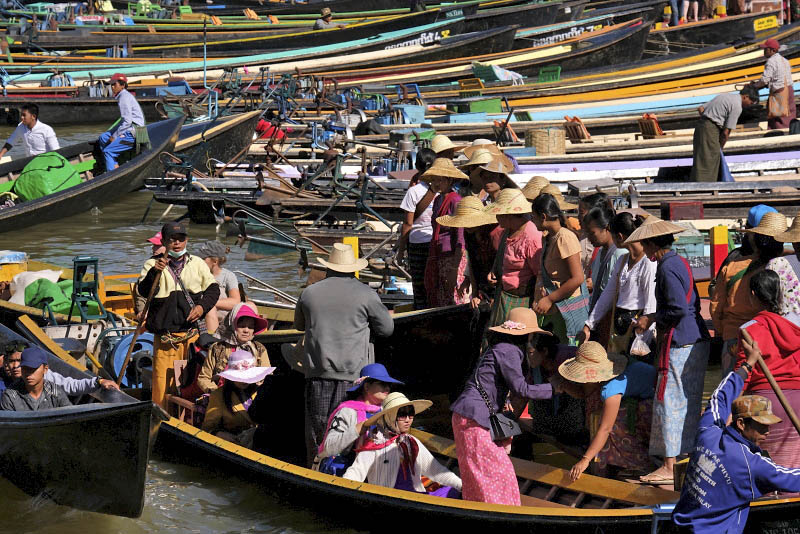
pixel 576 130
pixel 649 127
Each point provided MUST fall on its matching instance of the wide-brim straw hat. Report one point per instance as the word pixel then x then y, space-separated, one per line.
pixel 483 156
pixel 482 144
pixel 242 367
pixel 593 364
pixel 552 189
pixel 343 260
pixel 534 187
pixel 509 202
pixel 440 143
pixel 792 235
pixel 443 167
pixel 653 227
pixel 771 224
pixel 521 321
pixel 469 213
pixel 393 402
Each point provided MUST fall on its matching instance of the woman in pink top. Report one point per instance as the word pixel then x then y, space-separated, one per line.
pixel 521 254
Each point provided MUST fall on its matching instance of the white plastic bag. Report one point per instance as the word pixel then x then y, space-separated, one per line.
pixel 641 343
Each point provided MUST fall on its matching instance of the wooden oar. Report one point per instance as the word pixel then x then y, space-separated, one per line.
pixel 772 382
pixel 141 327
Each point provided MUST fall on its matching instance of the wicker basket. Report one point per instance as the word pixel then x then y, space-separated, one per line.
pixel 547 141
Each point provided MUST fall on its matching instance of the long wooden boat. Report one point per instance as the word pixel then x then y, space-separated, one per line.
pixel 528 14
pixel 90 456
pixel 222 138
pixel 94 190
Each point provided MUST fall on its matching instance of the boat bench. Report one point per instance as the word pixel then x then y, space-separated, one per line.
pixel 587 485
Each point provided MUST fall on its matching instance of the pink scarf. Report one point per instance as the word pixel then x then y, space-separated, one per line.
pixel 362 410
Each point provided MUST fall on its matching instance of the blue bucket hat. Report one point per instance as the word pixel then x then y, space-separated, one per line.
pixel 756 212
pixel 33 357
pixel 374 371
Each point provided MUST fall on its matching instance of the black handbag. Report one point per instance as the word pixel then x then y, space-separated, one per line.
pixel 501 426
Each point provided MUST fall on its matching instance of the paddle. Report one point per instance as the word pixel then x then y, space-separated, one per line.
pixel 772 382
pixel 140 328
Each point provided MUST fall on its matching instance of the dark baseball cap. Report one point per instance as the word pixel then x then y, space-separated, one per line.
pixel 33 357
pixel 172 229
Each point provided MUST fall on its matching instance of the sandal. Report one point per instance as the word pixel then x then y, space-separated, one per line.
pixel 655 478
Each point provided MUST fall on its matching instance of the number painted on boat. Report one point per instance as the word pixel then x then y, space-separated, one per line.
pixel 454 13
pixel 765 23
pixel 423 39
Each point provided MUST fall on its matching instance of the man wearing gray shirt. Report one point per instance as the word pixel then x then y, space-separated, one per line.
pixel 120 138
pixel 717 119
pixel 337 315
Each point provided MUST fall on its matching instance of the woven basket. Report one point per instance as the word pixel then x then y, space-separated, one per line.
pixel 547 141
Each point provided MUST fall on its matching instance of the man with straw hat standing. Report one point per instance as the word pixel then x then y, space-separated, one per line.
pixel 337 314
pixel 683 348
pixel 726 468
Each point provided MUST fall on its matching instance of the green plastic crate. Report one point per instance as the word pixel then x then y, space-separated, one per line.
pixel 476 105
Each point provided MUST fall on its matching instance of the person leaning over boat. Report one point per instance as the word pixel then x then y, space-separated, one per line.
pixel 684 347
pixel 337 314
pixel 717 119
pixel 335 453
pixel 237 332
pixel 622 438
pixel 486 471
pixel 121 137
pixel 781 108
pixel 37 137
pixel 778 338
pixel 393 458
pixel 33 392
pixel 726 467
pixel 325 21
pixel 186 292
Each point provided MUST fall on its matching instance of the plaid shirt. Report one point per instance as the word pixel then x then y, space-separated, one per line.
pixel 776 72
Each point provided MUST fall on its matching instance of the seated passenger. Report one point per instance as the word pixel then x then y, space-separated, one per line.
pixel 335 454
pixel 237 333
pixel 33 392
pixel 215 254
pixel 392 458
pixel 622 438
pixel 226 415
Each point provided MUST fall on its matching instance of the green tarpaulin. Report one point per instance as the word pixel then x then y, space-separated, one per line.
pixel 46 174
pixel 59 296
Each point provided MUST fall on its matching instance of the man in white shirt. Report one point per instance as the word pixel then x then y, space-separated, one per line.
pixel 37 137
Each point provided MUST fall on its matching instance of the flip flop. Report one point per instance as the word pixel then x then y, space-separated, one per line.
pixel 654 478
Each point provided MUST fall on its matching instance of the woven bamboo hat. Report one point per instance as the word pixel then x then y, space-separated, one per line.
pixel 593 364
pixel 343 260
pixel 443 167
pixel 509 202
pixel 535 186
pixel 483 156
pixel 552 189
pixel 482 144
pixel 440 143
pixel 521 321
pixel 469 214
pixel 653 227
pixel 392 403
pixel 792 235
pixel 771 224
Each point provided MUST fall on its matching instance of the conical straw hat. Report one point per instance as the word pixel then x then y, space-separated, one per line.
pixel 653 227
pixel 343 260
pixel 509 202
pixel 482 144
pixel 552 189
pixel 469 214
pixel 443 167
pixel 771 224
pixel 593 364
pixel 792 235
pixel 483 156
pixel 440 143
pixel 534 187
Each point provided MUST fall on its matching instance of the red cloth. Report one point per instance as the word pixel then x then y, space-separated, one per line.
pixel 779 342
pixel 265 130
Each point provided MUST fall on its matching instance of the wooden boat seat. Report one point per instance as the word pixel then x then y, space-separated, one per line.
pixel 576 130
pixel 177 406
pixel 470 87
pixel 611 490
pixel 650 129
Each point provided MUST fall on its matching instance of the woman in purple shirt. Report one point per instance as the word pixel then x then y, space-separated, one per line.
pixel 683 348
pixel 486 471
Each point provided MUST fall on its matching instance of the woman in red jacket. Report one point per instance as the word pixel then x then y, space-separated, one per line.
pixel 778 338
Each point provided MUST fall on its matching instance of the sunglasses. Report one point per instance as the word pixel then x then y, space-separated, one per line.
pixel 14 346
pixel 406 411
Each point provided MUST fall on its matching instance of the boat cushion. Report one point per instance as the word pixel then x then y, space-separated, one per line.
pixel 44 175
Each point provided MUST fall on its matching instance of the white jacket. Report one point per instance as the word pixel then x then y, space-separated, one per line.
pixel 381 467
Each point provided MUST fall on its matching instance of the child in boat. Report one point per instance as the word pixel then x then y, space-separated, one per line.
pixel 391 457
pixel 622 438
pixel 335 453
pixel 240 326
pixel 226 416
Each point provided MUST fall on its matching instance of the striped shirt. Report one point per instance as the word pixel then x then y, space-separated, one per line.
pixel 776 72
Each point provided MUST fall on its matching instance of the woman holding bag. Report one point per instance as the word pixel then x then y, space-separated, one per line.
pixel 482 433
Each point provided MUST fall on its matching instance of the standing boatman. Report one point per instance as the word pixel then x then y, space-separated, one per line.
pixel 122 136
pixel 781 108
pixel 717 119
pixel 37 136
